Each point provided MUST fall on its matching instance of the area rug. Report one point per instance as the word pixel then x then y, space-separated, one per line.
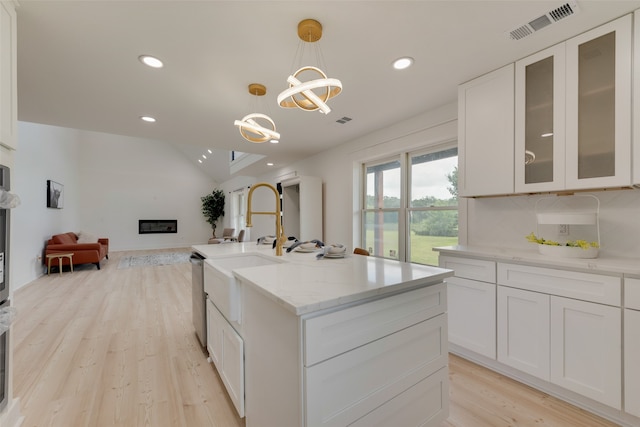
pixel 154 259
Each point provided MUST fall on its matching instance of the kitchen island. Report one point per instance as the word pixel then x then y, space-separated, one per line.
pixel 350 341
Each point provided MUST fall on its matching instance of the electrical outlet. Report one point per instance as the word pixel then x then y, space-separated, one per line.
pixel 563 230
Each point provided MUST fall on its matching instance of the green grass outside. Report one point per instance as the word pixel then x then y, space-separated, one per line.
pixel 421 246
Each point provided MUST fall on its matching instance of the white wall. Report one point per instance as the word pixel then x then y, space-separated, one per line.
pixel 263 200
pixel 497 221
pixel 110 182
pixel 505 221
pixel 43 153
pixel 338 168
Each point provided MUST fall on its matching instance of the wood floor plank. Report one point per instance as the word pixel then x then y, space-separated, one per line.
pixel 116 348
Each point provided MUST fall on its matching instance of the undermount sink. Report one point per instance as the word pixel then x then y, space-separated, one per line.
pixel 220 283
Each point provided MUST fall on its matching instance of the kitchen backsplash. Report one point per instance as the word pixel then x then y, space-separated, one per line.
pixel 505 221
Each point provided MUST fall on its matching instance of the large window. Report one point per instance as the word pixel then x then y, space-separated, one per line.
pixel 381 216
pixel 433 209
pixel 406 222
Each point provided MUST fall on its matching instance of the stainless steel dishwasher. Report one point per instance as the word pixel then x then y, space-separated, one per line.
pixel 198 297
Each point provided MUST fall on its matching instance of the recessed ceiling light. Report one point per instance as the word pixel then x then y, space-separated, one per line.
pixel 269 164
pixel 204 157
pixel 210 152
pixel 199 160
pixel 151 61
pixel 402 63
pixel 148 119
pixel 274 141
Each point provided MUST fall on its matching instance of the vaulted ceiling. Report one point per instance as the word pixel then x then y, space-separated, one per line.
pixel 78 65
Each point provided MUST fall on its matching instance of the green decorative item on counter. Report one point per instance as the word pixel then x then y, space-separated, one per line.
pixel 570 249
pixel 213 208
pixel 573 244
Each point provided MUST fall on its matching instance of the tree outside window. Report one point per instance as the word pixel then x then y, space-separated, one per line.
pixel 408 226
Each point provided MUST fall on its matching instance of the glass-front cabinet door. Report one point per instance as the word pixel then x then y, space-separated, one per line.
pixel 598 105
pixel 573 113
pixel 540 121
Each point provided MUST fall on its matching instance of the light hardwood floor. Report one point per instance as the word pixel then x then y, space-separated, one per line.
pixel 117 348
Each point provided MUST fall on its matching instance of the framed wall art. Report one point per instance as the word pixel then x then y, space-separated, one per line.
pixel 55 194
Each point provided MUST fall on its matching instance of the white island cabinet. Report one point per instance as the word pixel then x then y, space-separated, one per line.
pixel 356 341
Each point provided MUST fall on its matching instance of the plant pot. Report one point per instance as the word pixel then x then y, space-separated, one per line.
pixel 567 251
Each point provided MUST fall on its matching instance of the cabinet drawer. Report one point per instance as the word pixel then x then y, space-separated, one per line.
pixel 425 402
pixel 343 389
pixel 632 293
pixel 584 286
pixel 340 331
pixel 469 268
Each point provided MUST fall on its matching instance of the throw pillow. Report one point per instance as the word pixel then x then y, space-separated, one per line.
pixel 84 237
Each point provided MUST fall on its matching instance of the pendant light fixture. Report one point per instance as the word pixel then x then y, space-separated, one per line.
pixel 301 94
pixel 257 127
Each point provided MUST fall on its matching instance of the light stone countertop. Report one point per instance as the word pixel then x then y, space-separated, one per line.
pixel 602 264
pixel 302 284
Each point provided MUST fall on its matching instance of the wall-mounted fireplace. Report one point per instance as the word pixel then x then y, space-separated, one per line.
pixel 156 226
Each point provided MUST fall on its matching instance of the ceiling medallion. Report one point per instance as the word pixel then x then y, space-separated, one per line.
pixel 301 94
pixel 257 127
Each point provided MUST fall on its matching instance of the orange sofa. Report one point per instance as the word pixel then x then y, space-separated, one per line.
pixel 83 253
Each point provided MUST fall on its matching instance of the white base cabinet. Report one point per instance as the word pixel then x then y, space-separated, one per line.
pixel 523 331
pixel 583 316
pixel 632 346
pixel 560 330
pixel 586 343
pixel 471 296
pixel 472 315
pixel 631 358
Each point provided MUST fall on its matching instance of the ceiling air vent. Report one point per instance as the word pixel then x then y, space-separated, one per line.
pixel 551 17
pixel 343 120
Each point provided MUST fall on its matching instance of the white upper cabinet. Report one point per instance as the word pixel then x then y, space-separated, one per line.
pixel 573 113
pixel 485 134
pixel 8 85
pixel 540 121
pixel 599 107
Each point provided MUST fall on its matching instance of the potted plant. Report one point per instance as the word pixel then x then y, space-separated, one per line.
pixel 213 208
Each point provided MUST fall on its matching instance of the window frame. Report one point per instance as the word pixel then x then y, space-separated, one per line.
pixel 405 210
pixel 409 196
pixel 401 159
